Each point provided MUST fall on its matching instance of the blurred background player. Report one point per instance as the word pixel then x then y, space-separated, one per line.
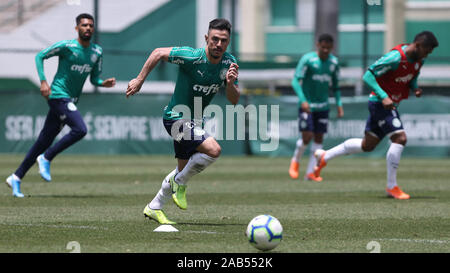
pixel 391 78
pixel 78 58
pixel 315 73
pixel 201 73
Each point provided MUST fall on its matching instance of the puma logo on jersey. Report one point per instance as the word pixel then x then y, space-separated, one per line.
pixel 200 72
pixel 86 68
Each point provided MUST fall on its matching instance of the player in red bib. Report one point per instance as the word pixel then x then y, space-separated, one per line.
pixel 390 78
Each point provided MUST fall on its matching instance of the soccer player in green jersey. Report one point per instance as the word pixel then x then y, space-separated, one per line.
pixel 202 71
pixel 78 58
pixel 316 72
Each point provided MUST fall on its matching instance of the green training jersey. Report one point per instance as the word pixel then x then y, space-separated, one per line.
pixel 197 77
pixel 75 64
pixel 313 79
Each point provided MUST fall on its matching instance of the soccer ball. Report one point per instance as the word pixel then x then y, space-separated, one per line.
pixel 264 232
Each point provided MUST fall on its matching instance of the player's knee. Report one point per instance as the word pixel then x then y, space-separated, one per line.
pixel 80 132
pixel 399 139
pixel 367 148
pixel 215 151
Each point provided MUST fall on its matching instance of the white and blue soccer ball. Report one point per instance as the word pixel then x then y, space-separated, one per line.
pixel 264 232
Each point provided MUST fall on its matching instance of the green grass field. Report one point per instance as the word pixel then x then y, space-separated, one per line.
pixel 97 201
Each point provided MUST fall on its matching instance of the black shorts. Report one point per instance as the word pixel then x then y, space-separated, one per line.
pixel 187 136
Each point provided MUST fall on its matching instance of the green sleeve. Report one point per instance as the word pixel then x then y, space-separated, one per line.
pixel 300 72
pixel 54 50
pixel 413 84
pixel 335 86
pixel 95 74
pixel 298 89
pixel 371 81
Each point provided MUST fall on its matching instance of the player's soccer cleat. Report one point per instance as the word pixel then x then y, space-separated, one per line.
pixel 293 169
pixel 178 193
pixel 15 185
pixel 157 215
pixel 397 193
pixel 319 154
pixel 313 177
pixel 44 168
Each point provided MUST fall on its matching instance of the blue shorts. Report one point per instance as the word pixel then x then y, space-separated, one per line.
pixel 316 122
pixel 382 122
pixel 187 136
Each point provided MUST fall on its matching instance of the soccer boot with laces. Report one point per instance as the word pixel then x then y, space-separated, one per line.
pixel 44 168
pixel 397 193
pixel 157 215
pixel 293 169
pixel 313 177
pixel 321 163
pixel 15 185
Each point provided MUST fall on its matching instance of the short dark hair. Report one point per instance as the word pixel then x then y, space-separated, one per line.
pixel 82 16
pixel 427 39
pixel 220 24
pixel 325 38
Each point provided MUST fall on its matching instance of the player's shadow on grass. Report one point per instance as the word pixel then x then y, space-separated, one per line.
pixel 210 224
pixel 415 197
pixel 70 196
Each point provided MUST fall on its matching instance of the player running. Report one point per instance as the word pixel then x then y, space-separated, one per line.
pixel 391 78
pixel 316 72
pixel 78 58
pixel 201 73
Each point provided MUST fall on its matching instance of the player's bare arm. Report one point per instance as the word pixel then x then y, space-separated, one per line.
pixel 340 111
pixel 233 92
pixel 109 82
pixel 45 89
pixel 155 57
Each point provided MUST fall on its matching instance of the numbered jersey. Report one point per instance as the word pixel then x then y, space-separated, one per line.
pixel 197 77
pixel 75 64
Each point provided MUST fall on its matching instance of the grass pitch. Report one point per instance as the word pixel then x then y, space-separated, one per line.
pixel 97 201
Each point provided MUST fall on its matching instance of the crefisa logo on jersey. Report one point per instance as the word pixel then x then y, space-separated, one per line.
pixel 81 68
pixel 206 90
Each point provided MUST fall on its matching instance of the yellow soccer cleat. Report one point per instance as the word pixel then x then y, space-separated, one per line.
pixel 157 215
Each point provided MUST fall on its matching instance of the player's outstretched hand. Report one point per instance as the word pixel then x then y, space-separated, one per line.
pixel 109 82
pixel 418 92
pixel 388 104
pixel 305 107
pixel 133 87
pixel 232 73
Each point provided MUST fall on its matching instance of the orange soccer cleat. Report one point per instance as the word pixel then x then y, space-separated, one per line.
pixel 293 169
pixel 313 177
pixel 397 193
pixel 319 154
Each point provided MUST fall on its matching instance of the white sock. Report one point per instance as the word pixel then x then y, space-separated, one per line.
pixel 164 193
pixel 350 146
pixel 196 164
pixel 312 158
pixel 15 177
pixel 392 160
pixel 299 150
